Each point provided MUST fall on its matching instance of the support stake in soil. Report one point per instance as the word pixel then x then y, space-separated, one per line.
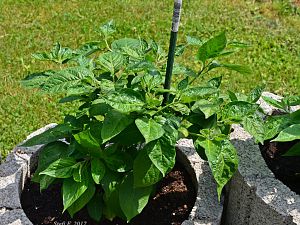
pixel 172 47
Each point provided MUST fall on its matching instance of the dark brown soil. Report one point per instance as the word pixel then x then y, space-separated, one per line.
pixel 170 205
pixel 285 168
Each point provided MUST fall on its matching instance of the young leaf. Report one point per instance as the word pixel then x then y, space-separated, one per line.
pixel 292 100
pixel 182 70
pixel 183 84
pixel 255 94
pixel 242 69
pixel 289 134
pixel 53 134
pixel 72 191
pixel 232 96
pixel 58 54
pixel 180 50
pixel 108 28
pixel 193 41
pixel 97 170
pixel 273 102
pixel 144 171
pixel 150 129
pixel 113 124
pixel 61 168
pixel 212 47
pixel 293 151
pixel 95 207
pixel 222 159
pixel 133 199
pixel 215 82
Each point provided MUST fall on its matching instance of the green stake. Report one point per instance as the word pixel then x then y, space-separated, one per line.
pixel 172 47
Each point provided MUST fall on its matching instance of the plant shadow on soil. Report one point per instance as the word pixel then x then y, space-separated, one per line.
pixel 170 205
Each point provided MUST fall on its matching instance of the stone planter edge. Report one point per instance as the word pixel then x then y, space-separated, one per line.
pixel 254 195
pixel 19 164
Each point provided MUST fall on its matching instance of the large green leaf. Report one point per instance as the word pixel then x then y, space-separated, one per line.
pixel 71 80
pixel 127 43
pixel 209 108
pixel 144 171
pixel 61 168
pixel 53 134
pixel 197 93
pixel 86 140
pixel 113 124
pixel 212 47
pixel 81 171
pixel 162 154
pixel 150 129
pixel 274 124
pixel 181 108
pixel 222 159
pixel 255 126
pixel 133 199
pixel 72 191
pixel 110 184
pixel 126 100
pixel 118 161
pixel 95 207
pixel 49 154
pixel 129 136
pixel 82 200
pixel 97 170
pixel 289 134
pixel 238 110
pixel 111 61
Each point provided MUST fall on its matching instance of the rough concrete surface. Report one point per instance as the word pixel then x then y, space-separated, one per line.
pixel 13 174
pixel 207 209
pixel 254 195
pixel 15 170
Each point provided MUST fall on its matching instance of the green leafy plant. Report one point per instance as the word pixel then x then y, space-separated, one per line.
pixel 120 143
pixel 282 126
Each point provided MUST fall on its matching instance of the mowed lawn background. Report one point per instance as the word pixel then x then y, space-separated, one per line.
pixel 271 27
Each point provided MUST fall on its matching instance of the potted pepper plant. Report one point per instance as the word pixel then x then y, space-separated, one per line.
pixel 120 142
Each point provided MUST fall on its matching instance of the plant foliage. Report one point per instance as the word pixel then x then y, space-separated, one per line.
pixel 122 140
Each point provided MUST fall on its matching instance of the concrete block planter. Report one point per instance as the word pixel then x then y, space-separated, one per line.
pixel 254 195
pixel 21 162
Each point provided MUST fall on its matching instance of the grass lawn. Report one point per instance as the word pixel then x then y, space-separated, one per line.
pixel 26 26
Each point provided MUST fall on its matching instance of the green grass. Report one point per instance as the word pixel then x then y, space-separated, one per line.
pixel 272 28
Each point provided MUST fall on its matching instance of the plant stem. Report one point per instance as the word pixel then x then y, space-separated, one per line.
pixel 172 47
